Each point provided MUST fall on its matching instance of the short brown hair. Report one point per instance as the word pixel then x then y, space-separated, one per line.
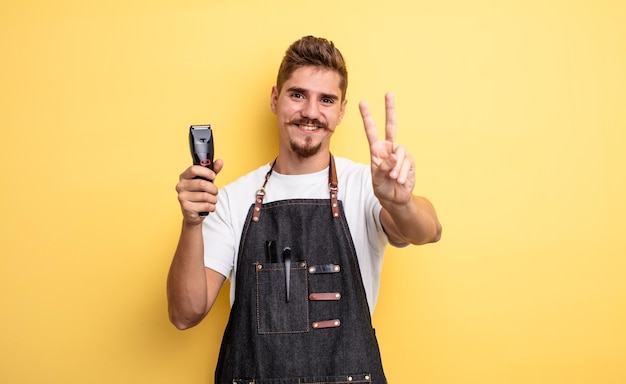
pixel 313 51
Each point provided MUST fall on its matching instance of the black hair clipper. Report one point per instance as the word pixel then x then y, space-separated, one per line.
pixel 201 146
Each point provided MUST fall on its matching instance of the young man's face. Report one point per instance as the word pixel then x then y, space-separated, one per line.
pixel 308 108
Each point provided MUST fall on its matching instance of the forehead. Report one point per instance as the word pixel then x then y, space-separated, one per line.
pixel 315 80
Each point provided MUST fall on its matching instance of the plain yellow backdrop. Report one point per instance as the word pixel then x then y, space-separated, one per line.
pixel 515 112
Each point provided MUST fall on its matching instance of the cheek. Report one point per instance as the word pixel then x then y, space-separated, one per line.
pixel 286 110
pixel 334 117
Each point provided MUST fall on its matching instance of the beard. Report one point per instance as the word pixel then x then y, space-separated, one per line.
pixel 307 150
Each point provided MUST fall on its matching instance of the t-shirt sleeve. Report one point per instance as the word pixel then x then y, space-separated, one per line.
pixel 219 238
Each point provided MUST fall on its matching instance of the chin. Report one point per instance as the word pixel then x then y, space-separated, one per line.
pixel 305 151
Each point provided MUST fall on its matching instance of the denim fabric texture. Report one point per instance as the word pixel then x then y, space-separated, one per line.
pixel 349 379
pixel 272 340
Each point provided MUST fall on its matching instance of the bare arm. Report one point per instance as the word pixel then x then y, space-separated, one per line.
pixel 417 223
pixel 191 287
pixel 405 217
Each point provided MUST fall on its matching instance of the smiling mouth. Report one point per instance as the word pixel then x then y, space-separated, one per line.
pixel 308 128
pixel 309 125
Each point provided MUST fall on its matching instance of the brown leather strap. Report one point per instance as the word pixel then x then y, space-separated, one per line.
pixel 325 296
pixel 332 185
pixel 326 324
pixel 260 194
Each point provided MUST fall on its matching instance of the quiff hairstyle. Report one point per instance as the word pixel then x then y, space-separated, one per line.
pixel 313 51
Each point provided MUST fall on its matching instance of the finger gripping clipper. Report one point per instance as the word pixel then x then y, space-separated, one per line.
pixel 201 146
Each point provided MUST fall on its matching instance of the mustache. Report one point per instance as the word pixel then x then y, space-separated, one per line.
pixel 315 122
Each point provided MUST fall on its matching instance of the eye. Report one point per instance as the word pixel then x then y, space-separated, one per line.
pixel 327 100
pixel 297 95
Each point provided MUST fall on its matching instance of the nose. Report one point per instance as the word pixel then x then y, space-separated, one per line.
pixel 311 110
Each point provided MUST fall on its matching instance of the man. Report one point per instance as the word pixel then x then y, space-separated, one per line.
pixel 302 239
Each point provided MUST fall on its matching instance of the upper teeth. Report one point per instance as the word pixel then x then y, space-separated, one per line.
pixel 309 127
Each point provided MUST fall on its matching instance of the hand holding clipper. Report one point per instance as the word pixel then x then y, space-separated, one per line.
pixel 201 146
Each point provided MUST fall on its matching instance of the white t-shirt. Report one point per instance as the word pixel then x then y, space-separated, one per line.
pixel 222 229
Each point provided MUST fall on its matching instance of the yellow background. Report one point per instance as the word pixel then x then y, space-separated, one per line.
pixel 514 111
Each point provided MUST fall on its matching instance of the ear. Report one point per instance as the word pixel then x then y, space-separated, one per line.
pixel 342 111
pixel 274 99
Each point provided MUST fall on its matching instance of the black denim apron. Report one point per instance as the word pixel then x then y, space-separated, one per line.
pixel 300 313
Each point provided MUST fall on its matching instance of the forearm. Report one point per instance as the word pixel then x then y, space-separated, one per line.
pixel 187 281
pixel 414 223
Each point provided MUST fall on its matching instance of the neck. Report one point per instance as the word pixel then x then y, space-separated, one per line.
pixel 292 164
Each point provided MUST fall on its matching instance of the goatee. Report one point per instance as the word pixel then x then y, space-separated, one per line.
pixel 305 151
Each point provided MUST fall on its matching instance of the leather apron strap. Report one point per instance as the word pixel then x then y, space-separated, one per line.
pixel 332 186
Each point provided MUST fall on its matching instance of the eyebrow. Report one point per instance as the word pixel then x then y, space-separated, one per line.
pixel 304 91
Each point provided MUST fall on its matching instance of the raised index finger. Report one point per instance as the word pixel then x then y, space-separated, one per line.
pixel 368 123
pixel 390 116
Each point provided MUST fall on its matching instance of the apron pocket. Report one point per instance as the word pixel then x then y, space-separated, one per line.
pixel 277 310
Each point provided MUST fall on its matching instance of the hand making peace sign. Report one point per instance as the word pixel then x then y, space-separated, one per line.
pixel 393 169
